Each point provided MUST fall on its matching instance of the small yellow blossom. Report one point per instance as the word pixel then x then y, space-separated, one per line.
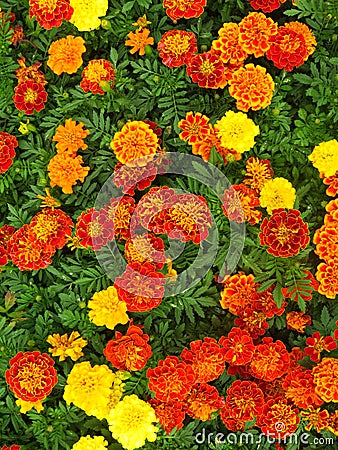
pixel 277 193
pixel 107 309
pixel 90 443
pixel 141 22
pixel 23 128
pixel 74 242
pixel 48 201
pixel 27 406
pixel 64 346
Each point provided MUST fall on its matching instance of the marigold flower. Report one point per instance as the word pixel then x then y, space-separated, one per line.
pixel 52 226
pixel 278 417
pixel 332 182
pixel 244 400
pixel 228 46
pixel 32 73
pixel 253 321
pixel 145 248
pixel 296 320
pixel 324 157
pixel 90 443
pixel 107 309
pixel 326 379
pixel 131 422
pixel 176 47
pixel 64 171
pixel 187 9
pixel 203 148
pixel 252 87
pixel 326 240
pixel 141 22
pixel 31 376
pixel 27 406
pixel 12 447
pixel 169 415
pixel 327 275
pixel 258 172
pixel 270 360
pixel 266 5
pixel 195 127
pixel 300 389
pixel 206 69
pixel 86 13
pixel 18 35
pixel 65 55
pixel 50 14
pixel 307 34
pixel 238 345
pixel 202 401
pixel 333 422
pixel 130 352
pixel 316 418
pixel 97 73
pixel 48 201
pixel 207 359
pixel 139 41
pixel 30 96
pixel 239 203
pixel 239 291
pixel 69 137
pixel 272 389
pixel 135 140
pixel 255 31
pixel 277 193
pixel 62 346
pixel 266 303
pixel 317 344
pixel 126 176
pixel 231 423
pixel 6 232
pixel 93 230
pixel 154 201
pixel 7 150
pixel 117 215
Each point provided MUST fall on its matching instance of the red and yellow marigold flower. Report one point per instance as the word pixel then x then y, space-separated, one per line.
pixel 29 97
pixel 253 321
pixel 32 73
pixel 332 210
pixel 332 182
pixel 278 418
pixel 266 5
pixel 316 344
pixel 153 202
pixel 169 415
pixel 187 9
pixel 228 46
pixel 64 346
pixel 98 74
pixel 258 172
pixel 326 240
pixel 207 70
pixel 139 41
pixel 203 148
pixel 207 359
pixel 300 389
pixel 64 171
pixel 240 290
pixel 244 400
pixel 284 233
pixel 325 376
pixel 50 13
pixel 239 347
pixel 6 232
pixel 107 309
pixel 304 30
pixel 333 422
pixel 239 204
pixel 145 248
pixel 93 230
pixel 69 137
pixel 202 401
pixel 266 304
pixel 272 389
pixel 135 175
pixel 31 376
pixel 52 226
pixel 298 321
pixel 327 275
pixel 270 360
pixel 195 127
pixel 65 55
pixel 171 379
pixel 176 47
pixel 316 418
pixel 130 352
pixel 116 217
pixel 8 143
pixel 255 31
pixel 252 87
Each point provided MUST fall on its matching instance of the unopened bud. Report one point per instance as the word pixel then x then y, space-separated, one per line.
pixel 105 24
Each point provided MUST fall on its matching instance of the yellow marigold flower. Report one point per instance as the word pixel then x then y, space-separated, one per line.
pixel 64 346
pixel 277 193
pixel 90 443
pixel 325 157
pixel 139 40
pixel 87 12
pixel 27 406
pixel 23 128
pixel 48 201
pixel 89 387
pixel 65 171
pixel 237 131
pixel 65 55
pixel 131 422
pixel 141 22
pixel 107 309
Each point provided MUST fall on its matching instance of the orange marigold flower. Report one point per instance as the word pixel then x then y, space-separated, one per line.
pixel 64 171
pixel 255 322
pixel 187 9
pixel 255 31
pixel 332 182
pixel 69 137
pixel 176 47
pixel 139 41
pixel 239 291
pixel 315 418
pixel 52 226
pixel 239 203
pixel 195 127
pixel 231 423
pixel 266 5
pixel 270 360
pixel 206 69
pixel 130 352
pixel 244 400
pixel 326 379
pixel 98 74
pixel 302 288
pixel 135 140
pixel 145 248
pixel 207 359
pixel 93 230
pixel 31 376
pixel 6 232
pixel 300 389
pixel 252 87
pixel 202 401
pixel 327 275
pixel 317 344
pixel 238 345
pixel 141 287
pixel 278 418
pixel 284 233
pixel 332 209
pixel 117 216
pixel 65 54
pixel 50 13
pixel 171 379
pixel 30 96
pixel 33 73
pixel 169 415
pixel 228 46
pixel 304 30
pixel 7 150
pixel 296 320
pixel 18 35
pixel 258 172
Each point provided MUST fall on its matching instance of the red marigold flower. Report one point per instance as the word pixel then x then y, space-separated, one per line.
pixel 7 150
pixel 117 216
pixel 327 275
pixel 287 49
pixel 270 360
pixel 6 232
pixel 239 291
pixel 195 127
pixel 126 175
pixel 272 389
pixel 141 287
pixel 176 47
pixel 254 322
pixel 207 358
pixel 52 226
pixel 300 389
pixel 12 447
pixel 258 172
pixel 255 31
pixel 130 352
pixel 169 415
pixel 206 69
pixel 284 233
pixel 33 73
pixel 50 14
pixel 316 344
pixel 326 379
pixel 296 355
pixel 27 252
pixel 202 401
pixel 239 203
pixel 244 400
pixel 145 248
pixel 242 371
pixel 93 230
pixel 171 380
pixel 316 418
pixel 228 46
pixel 97 74
pixel 238 345
pixel 303 289
pixel 31 376
pixel 296 320
pixel 30 96
pixel 307 34
pixel 266 5
pixel 187 9
pixel 332 182
pixel 252 87
pixel 278 418
pixel 267 305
